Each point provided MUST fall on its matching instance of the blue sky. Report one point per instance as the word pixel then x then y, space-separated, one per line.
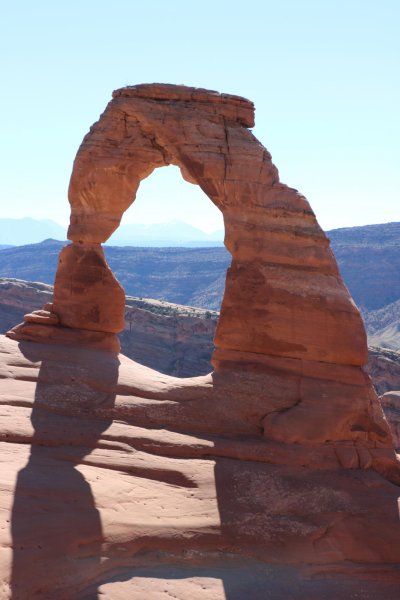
pixel 324 77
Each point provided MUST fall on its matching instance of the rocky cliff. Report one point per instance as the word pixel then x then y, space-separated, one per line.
pixel 174 339
pixel 390 402
pixel 383 326
pixel 384 368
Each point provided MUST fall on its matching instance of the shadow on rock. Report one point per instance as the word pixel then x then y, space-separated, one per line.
pixel 56 526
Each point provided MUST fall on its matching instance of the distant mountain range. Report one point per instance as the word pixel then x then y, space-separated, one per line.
pixel 19 232
pixel 190 276
pixel 174 233
pixel 369 260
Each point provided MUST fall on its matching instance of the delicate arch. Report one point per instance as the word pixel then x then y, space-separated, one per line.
pixel 283 297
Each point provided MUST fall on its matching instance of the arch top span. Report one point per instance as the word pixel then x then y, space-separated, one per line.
pixel 229 106
pixel 204 133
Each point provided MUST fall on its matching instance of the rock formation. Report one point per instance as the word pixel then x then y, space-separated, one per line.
pixel 274 474
pixel 173 339
pixel 384 369
pixel 391 405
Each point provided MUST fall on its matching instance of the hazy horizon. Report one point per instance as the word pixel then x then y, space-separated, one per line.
pixel 166 231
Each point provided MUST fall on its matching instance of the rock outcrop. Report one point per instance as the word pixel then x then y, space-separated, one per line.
pixel 176 340
pixel 391 405
pixel 275 473
pixel 383 326
pixel 110 487
pixel 384 369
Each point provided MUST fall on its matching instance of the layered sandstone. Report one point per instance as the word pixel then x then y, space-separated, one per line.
pixel 282 271
pixel 176 340
pixel 233 481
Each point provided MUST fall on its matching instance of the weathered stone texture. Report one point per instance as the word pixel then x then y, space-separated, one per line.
pixel 283 271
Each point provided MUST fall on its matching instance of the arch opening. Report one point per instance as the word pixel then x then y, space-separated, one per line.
pixel 173 271
pixel 162 198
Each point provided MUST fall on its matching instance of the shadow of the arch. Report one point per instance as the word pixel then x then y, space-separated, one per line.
pixel 54 519
pixel 234 578
pixel 224 580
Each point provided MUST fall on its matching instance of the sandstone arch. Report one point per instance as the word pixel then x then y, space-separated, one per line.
pixel 286 312
pixel 261 472
pixel 283 274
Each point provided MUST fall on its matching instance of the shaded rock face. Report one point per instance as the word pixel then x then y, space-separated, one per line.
pixel 172 339
pixel 391 405
pixel 280 457
pixel 18 297
pixel 384 368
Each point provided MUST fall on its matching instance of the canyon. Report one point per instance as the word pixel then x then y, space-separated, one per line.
pixel 275 475
pixel 171 338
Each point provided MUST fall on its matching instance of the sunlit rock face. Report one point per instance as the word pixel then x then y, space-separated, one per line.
pixel 283 272
pixel 275 472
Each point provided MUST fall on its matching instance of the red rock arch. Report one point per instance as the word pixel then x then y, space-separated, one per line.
pixel 283 297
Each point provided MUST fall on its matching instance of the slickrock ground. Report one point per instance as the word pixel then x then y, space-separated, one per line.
pixel 274 476
pixel 110 488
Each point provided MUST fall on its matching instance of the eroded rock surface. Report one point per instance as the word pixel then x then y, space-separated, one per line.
pixel 282 272
pixel 123 480
pixel 384 368
pixel 391 405
pixel 109 484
